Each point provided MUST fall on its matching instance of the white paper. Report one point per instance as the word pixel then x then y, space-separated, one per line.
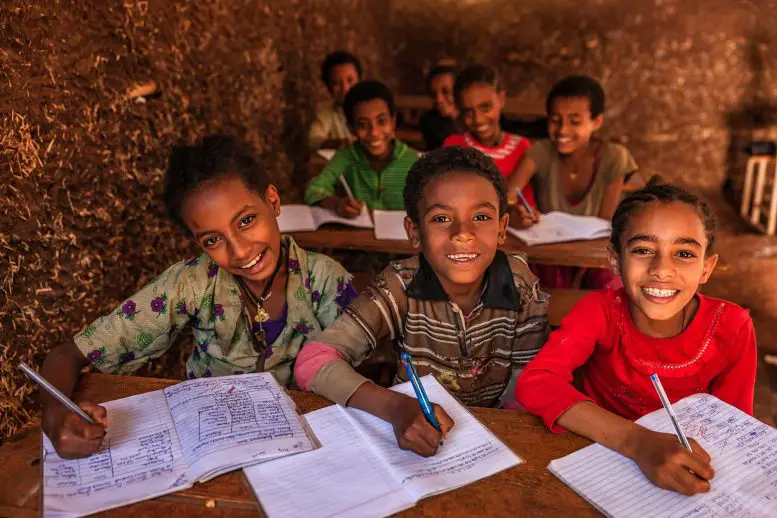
pixel 558 227
pixel 328 154
pixel 361 472
pixel 390 224
pixel 744 456
pixel 140 458
pixel 302 218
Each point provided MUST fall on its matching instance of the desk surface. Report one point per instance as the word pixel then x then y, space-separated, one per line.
pixel 525 490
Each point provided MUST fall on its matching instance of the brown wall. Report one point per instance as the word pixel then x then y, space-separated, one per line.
pixel 81 224
pixel 676 72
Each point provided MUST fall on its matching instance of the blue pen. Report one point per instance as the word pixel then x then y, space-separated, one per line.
pixel 423 399
pixel 525 203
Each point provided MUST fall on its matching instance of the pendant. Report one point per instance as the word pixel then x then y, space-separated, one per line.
pixel 262 316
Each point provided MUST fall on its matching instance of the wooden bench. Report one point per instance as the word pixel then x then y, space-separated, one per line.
pixel 759 194
pixel 411 107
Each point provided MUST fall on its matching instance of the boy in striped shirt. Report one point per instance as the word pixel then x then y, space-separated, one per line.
pixel 466 312
pixel 375 166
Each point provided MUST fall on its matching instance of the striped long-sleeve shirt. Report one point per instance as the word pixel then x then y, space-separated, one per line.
pixel 474 356
pixel 379 190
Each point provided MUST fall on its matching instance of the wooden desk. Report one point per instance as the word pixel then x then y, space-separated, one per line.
pixel 413 106
pixel 588 254
pixel 525 490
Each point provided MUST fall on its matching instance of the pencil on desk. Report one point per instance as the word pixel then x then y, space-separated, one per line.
pixel 670 411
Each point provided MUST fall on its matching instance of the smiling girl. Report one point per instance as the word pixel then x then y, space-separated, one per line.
pixel 663 245
pixel 252 298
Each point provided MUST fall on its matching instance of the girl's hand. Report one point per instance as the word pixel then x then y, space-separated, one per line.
pixel 520 218
pixel 668 465
pixel 413 431
pixel 72 436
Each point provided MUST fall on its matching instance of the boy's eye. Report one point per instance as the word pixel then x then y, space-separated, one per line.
pixel 685 254
pixel 441 219
pixel 245 220
pixel 642 251
pixel 210 242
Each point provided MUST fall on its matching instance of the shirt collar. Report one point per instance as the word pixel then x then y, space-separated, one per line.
pixel 500 291
pixel 397 149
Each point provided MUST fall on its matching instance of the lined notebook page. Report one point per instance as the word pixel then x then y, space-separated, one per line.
pixel 470 451
pixel 558 227
pixel 234 421
pixel 140 458
pixel 744 455
pixel 343 478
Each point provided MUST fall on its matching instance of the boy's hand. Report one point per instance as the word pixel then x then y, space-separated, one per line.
pixel 668 465
pixel 413 431
pixel 348 208
pixel 520 218
pixel 72 436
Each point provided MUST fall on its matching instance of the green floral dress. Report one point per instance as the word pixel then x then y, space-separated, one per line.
pixel 198 293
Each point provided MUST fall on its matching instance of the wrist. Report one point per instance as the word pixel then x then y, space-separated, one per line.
pixel 630 441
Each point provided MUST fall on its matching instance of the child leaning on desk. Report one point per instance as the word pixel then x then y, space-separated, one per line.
pixel 253 297
pixel 663 246
pixel 573 171
pixel 466 312
pixel 375 166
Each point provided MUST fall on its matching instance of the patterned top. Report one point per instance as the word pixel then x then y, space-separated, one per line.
pixel 330 123
pixel 199 293
pixel 474 356
pixel 378 190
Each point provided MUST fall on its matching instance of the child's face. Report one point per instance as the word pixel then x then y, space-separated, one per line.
pixel 459 228
pixel 374 127
pixel 341 79
pixel 235 226
pixel 662 263
pixel 481 108
pixel 441 87
pixel 570 124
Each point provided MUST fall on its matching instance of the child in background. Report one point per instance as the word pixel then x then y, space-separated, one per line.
pixel 467 313
pixel 253 297
pixel 339 72
pixel 480 98
pixel 663 245
pixel 375 166
pixel 572 171
pixel 441 121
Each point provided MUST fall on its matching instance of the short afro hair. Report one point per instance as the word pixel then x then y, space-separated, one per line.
pixel 364 91
pixel 578 86
pixel 476 74
pixel 214 157
pixel 438 71
pixel 336 59
pixel 446 160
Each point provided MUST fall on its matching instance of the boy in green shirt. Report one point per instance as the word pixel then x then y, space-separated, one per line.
pixel 375 166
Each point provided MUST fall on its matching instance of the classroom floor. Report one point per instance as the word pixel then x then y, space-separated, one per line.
pixel 750 281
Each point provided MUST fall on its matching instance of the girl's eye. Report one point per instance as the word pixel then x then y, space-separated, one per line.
pixel 210 242
pixel 441 219
pixel 482 217
pixel 685 254
pixel 642 251
pixel 245 220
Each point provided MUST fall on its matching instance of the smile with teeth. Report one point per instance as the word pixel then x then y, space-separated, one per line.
pixel 655 292
pixel 253 263
pixel 462 258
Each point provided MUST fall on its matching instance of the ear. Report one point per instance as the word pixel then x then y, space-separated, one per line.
pixel 502 96
pixel 273 199
pixel 503 221
pixel 709 266
pixel 614 259
pixel 598 121
pixel 413 231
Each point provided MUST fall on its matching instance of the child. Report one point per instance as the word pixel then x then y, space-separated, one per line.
pixel 441 121
pixel 221 196
pixel 375 166
pixel 339 72
pixel 663 245
pixel 573 171
pixel 480 98
pixel 468 313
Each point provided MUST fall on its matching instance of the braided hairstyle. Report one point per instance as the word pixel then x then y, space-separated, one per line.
pixel 655 192
pixel 474 75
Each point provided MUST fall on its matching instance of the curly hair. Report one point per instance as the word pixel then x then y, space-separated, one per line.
pixel 661 193
pixel 450 160
pixel 578 86
pixel 364 91
pixel 214 157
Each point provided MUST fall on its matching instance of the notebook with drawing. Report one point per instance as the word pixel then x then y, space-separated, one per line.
pixel 558 227
pixel 390 224
pixel 744 456
pixel 166 440
pixel 360 471
pixel 302 218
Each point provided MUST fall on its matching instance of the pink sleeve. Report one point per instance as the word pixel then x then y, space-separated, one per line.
pixel 736 384
pixel 545 386
pixel 310 359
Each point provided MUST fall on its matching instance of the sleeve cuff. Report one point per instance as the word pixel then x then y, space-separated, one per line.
pixel 552 415
pixel 337 381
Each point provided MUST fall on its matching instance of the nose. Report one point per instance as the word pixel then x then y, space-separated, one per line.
pixel 462 231
pixel 480 118
pixel 240 249
pixel 661 267
pixel 374 130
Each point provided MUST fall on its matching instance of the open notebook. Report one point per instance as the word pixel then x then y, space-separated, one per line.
pixel 558 227
pixel 166 440
pixel 302 218
pixel 744 455
pixel 361 472
pixel 390 224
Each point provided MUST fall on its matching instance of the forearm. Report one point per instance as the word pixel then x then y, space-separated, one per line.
pixel 61 368
pixel 603 427
pixel 376 400
pixel 329 203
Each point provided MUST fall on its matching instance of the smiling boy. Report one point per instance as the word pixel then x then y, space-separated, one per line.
pixel 375 166
pixel 468 313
